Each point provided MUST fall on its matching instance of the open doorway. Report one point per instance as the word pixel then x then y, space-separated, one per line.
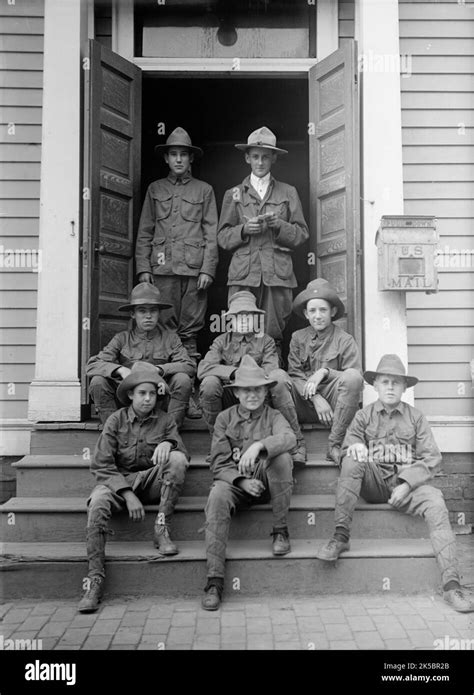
pixel 219 112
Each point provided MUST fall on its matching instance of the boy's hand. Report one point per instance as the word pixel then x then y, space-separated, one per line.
pixel 249 458
pixel 323 410
pixel 399 494
pixel 136 512
pixel 311 386
pixel 204 281
pixel 252 226
pixel 123 372
pixel 358 452
pixel 272 220
pixel 161 453
pixel 251 486
pixel 146 277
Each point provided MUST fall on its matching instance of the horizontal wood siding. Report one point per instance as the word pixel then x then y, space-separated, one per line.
pixel 21 80
pixel 437 93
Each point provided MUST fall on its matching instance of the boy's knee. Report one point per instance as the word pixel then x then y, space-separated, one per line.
pixel 219 501
pixel 352 379
pixel 281 466
pixel 180 382
pixel 348 465
pixel 211 387
pixel 99 384
pixel 178 463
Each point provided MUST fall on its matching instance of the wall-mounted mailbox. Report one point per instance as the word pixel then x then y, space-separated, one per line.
pixel 406 253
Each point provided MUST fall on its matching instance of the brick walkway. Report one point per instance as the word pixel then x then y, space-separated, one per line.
pixel 328 622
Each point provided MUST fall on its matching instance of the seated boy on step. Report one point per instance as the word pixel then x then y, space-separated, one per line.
pixel 390 455
pixel 324 364
pixel 245 336
pixel 148 341
pixel 251 464
pixel 139 459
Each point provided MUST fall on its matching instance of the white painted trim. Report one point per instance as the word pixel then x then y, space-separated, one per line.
pixel 55 391
pixel 123 31
pixel 207 65
pixel 327 28
pixel 15 437
pixel 377 33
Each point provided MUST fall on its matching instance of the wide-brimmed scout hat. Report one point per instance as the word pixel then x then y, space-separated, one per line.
pixel 318 289
pixel 250 375
pixel 144 293
pixel 141 373
pixel 179 138
pixel 393 366
pixel 262 137
pixel 243 301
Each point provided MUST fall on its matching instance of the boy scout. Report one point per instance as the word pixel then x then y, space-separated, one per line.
pixel 176 242
pixel 261 222
pixel 245 336
pixel 324 364
pixel 149 342
pixel 390 455
pixel 251 463
pixel 139 458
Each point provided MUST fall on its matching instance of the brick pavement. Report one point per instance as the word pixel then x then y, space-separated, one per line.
pixel 319 623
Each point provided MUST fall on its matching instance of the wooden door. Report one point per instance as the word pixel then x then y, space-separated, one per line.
pixel 335 178
pixel 112 193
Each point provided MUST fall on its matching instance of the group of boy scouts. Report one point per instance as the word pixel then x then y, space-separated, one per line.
pixel 142 381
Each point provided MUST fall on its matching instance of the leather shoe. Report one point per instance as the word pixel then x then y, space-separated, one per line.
pixel 299 456
pixel 162 540
pixel 211 599
pixel 333 548
pixel 281 542
pixel 460 600
pixel 193 411
pixel 89 603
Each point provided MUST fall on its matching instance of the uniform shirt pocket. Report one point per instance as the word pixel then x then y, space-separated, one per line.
pixel 130 355
pixel 158 255
pixel 163 203
pixel 282 262
pixel 194 253
pixel 240 266
pixel 191 208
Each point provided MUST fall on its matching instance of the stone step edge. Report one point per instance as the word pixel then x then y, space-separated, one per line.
pixel 41 505
pixel 39 461
pixel 14 553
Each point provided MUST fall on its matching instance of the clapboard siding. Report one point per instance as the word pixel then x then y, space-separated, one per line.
pixel 21 80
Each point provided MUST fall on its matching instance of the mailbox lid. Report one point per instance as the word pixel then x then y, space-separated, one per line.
pixel 407 229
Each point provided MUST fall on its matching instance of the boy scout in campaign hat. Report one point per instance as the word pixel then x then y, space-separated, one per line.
pixel 324 364
pixel 245 336
pixel 261 223
pixel 390 455
pixel 176 243
pixel 251 464
pixel 147 341
pixel 139 458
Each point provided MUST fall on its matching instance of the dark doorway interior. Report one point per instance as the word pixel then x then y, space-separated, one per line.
pixel 219 112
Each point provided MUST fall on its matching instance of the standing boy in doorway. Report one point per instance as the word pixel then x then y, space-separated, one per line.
pixel 261 223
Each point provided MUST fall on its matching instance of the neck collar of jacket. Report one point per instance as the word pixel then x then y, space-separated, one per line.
pixel 322 335
pixel 147 334
pixel 242 337
pixel 132 415
pixel 250 414
pixel 380 407
pixel 246 183
pixel 184 178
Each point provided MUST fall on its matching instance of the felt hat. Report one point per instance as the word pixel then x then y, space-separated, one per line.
pixel 318 289
pixel 249 374
pixel 179 138
pixel 262 137
pixel 393 366
pixel 243 301
pixel 141 373
pixel 144 293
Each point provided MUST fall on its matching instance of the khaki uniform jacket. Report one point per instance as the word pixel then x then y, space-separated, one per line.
pixel 333 349
pixel 227 350
pixel 126 446
pixel 264 257
pixel 177 230
pixel 403 437
pixel 160 347
pixel 237 428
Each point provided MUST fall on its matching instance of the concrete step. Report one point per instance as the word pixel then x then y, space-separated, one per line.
pixel 60 475
pixel 48 570
pixel 81 437
pixel 311 516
